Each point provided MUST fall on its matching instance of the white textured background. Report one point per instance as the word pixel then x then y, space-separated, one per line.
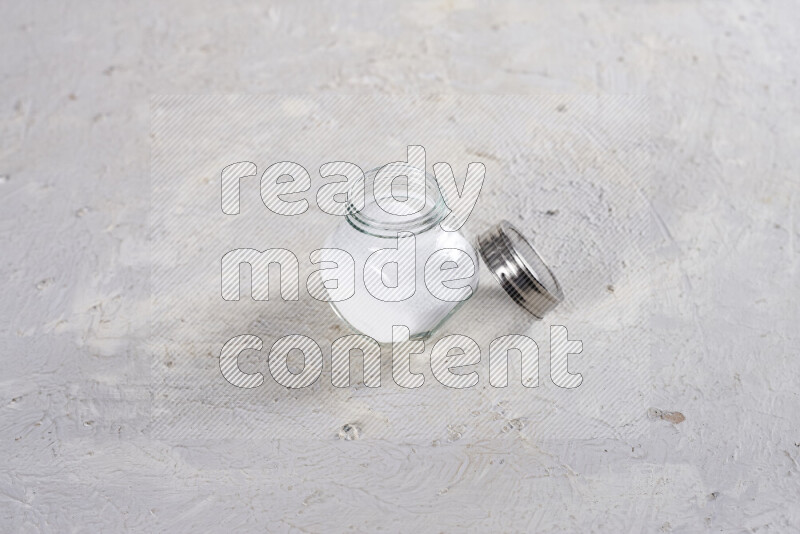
pixel 572 172
pixel 74 162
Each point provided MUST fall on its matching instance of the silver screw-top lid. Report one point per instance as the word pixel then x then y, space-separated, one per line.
pixel 519 269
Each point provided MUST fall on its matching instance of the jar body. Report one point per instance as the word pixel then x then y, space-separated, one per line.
pixel 369 231
pixel 422 312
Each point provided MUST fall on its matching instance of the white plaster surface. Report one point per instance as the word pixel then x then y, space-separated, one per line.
pixel 583 159
pixel 76 452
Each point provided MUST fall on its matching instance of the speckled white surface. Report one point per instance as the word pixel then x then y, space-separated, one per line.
pixel 76 452
pixel 571 172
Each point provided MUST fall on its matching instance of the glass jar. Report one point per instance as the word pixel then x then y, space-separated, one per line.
pixel 411 272
pixel 383 294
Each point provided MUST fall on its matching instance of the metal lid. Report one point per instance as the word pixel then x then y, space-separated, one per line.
pixel 519 269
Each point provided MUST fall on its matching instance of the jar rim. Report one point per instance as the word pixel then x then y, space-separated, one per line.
pixel 431 214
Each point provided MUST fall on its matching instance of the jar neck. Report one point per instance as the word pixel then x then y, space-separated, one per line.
pixel 373 219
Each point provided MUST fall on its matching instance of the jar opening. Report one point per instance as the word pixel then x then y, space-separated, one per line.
pixel 398 198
